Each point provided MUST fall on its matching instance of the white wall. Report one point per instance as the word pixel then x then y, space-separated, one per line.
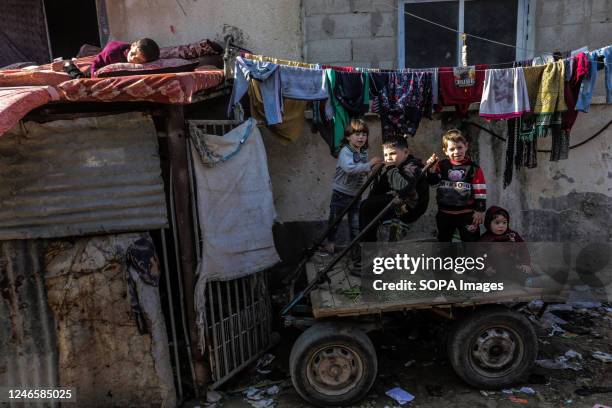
pixel 270 27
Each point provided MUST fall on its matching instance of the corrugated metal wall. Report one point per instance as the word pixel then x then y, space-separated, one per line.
pixel 28 344
pixel 81 176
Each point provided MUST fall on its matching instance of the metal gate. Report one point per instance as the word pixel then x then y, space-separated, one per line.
pixel 238 317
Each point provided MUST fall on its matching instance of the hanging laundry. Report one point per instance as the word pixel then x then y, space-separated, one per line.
pixel 580 66
pixel 461 86
pixel 303 83
pixel 281 61
pixel 597 60
pixel 402 102
pixel 293 116
pixel 549 102
pixel 268 76
pixel 321 124
pixel 434 82
pixel 352 90
pixel 505 94
pixel 334 111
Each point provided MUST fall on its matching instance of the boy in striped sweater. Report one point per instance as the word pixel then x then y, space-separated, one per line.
pixel 461 193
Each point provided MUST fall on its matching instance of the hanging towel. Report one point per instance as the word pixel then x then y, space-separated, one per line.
pixel 303 83
pixel 293 116
pixel 268 75
pixel 505 94
pixel 549 103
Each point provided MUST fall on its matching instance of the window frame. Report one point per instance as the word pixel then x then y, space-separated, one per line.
pixel 524 30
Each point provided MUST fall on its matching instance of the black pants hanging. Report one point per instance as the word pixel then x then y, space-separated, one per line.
pixel 447 223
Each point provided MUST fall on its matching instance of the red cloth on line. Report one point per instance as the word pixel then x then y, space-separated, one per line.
pixel 453 92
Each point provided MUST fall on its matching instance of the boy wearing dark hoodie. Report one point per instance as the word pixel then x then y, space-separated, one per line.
pixel 497 223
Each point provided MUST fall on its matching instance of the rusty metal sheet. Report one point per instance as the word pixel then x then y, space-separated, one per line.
pixel 81 176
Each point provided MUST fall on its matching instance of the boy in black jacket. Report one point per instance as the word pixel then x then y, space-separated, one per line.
pixel 399 176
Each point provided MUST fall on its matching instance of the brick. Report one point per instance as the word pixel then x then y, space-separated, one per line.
pixel 320 27
pixel 313 7
pixel 322 51
pixel 368 6
pixel 374 49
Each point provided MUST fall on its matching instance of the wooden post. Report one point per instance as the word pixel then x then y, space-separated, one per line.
pixel 177 149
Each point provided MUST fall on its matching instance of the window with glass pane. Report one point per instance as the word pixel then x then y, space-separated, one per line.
pixel 429 45
pixel 495 20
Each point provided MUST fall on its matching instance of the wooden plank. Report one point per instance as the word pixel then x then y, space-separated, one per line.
pixel 327 301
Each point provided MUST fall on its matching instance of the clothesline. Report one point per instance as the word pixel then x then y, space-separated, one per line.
pixel 406 70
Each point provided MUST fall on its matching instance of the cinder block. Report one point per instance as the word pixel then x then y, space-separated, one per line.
pixel 323 51
pixel 367 6
pixel 382 24
pixel 313 7
pixel 374 49
pixel 548 38
pixel 320 27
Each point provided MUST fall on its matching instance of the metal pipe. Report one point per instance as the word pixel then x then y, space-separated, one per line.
pixel 172 322
pixel 180 283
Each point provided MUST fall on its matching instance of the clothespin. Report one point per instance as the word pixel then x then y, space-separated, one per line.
pixel 464 50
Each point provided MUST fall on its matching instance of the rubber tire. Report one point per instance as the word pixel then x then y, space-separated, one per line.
pixel 332 333
pixel 458 346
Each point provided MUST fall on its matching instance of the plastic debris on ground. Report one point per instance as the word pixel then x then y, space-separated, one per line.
pixel 568 361
pixel 258 398
pixel 523 390
pixel 518 400
pixel 401 396
pixel 600 406
pixel 603 357
pixel 264 361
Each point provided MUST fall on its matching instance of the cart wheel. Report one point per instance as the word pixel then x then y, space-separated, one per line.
pixel 493 348
pixel 333 364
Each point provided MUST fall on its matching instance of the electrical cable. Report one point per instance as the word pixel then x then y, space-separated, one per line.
pixel 467 122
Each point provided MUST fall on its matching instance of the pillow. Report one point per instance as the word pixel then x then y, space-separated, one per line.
pixel 160 66
pixel 190 51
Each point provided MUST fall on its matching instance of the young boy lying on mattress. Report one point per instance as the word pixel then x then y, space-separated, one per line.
pixel 138 52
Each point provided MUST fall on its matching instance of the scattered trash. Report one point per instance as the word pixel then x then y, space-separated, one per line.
pixel 603 357
pixel 401 396
pixel 487 393
pixel 213 396
pixel 263 403
pixel 524 390
pixel 573 354
pixel 253 393
pixel 409 363
pixel 600 406
pixel 563 362
pixel 586 391
pixel 434 390
pixel 273 390
pixel 518 400
pixel 569 401
pixel 257 397
pixel 264 361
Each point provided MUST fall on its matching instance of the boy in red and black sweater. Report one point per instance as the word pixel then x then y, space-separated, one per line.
pixel 461 193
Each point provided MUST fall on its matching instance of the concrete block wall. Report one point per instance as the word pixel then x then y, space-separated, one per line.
pixel 350 32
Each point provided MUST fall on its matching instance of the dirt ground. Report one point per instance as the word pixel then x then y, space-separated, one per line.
pixel 412 357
